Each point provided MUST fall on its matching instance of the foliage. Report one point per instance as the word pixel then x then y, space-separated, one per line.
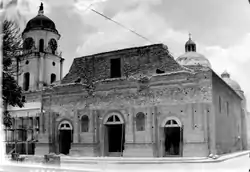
pixel 12 49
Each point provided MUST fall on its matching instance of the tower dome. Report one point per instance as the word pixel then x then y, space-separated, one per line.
pixel 191 57
pixel 233 84
pixel 41 22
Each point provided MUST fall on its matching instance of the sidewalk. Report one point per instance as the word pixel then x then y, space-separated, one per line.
pixel 122 160
pixel 97 164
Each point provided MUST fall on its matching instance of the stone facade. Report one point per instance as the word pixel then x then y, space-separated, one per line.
pixel 189 96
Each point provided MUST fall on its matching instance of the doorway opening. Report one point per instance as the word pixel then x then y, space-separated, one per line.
pixel 173 133
pixel 114 137
pixel 65 137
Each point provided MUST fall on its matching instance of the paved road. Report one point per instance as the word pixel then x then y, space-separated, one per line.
pixel 241 164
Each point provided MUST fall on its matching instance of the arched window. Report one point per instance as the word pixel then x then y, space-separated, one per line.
pixel 172 123
pixel 140 121
pixel 52 78
pixel 85 123
pixel 41 45
pixel 26 81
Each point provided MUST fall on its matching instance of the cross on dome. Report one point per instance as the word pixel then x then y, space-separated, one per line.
pixel 190 36
pixel 40 11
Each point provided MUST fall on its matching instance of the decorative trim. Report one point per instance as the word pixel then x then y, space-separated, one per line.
pixel 116 113
pixel 65 121
pixel 179 123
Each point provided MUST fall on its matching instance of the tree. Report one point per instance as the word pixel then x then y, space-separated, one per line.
pixel 12 51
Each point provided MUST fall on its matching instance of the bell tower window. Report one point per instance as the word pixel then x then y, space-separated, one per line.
pixel 52 78
pixel 41 45
pixel 115 68
pixel 26 83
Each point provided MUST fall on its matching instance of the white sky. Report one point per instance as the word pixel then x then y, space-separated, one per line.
pixel 220 28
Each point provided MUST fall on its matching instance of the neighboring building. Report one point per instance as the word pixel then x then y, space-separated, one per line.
pixel 132 102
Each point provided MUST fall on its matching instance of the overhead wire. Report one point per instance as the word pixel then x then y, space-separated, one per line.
pixel 121 25
pixel 143 37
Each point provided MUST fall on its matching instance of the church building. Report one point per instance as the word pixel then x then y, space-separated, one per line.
pixel 134 102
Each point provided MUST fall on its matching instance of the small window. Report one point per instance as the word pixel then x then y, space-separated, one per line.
pixel 52 78
pixel 85 123
pixel 115 68
pixel 41 45
pixel 140 121
pixel 53 63
pixel 26 81
pixel 158 71
pixel 27 62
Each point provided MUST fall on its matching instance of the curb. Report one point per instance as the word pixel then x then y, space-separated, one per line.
pixel 222 158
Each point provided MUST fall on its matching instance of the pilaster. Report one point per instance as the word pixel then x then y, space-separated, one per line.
pixel 76 126
pixel 41 71
pixel 212 129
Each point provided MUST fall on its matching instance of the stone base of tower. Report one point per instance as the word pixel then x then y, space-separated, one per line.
pixel 138 150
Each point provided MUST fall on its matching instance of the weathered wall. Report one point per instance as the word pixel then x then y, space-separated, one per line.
pixel 228 124
pixel 185 96
pixel 133 61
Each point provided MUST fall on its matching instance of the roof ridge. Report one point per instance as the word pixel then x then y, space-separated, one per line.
pixel 120 50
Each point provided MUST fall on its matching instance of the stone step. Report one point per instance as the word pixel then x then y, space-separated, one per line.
pixel 138 152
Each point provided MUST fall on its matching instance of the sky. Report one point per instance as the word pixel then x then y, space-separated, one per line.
pixel 220 28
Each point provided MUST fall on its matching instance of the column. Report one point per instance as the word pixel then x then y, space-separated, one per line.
pixel 61 68
pixel 129 127
pixel 41 72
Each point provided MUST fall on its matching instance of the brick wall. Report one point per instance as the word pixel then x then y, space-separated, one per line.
pixel 133 61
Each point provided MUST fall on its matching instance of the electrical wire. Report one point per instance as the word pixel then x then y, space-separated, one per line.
pixel 143 37
pixel 121 25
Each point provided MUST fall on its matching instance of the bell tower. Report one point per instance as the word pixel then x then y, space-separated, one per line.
pixel 42 63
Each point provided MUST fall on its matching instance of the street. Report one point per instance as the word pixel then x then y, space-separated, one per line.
pixel 240 163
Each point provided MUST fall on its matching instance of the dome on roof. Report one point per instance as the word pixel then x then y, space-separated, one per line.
pixel 41 22
pixel 191 57
pixel 233 84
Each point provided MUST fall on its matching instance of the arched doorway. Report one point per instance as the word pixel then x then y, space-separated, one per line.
pixel 65 137
pixel 114 135
pixel 173 137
